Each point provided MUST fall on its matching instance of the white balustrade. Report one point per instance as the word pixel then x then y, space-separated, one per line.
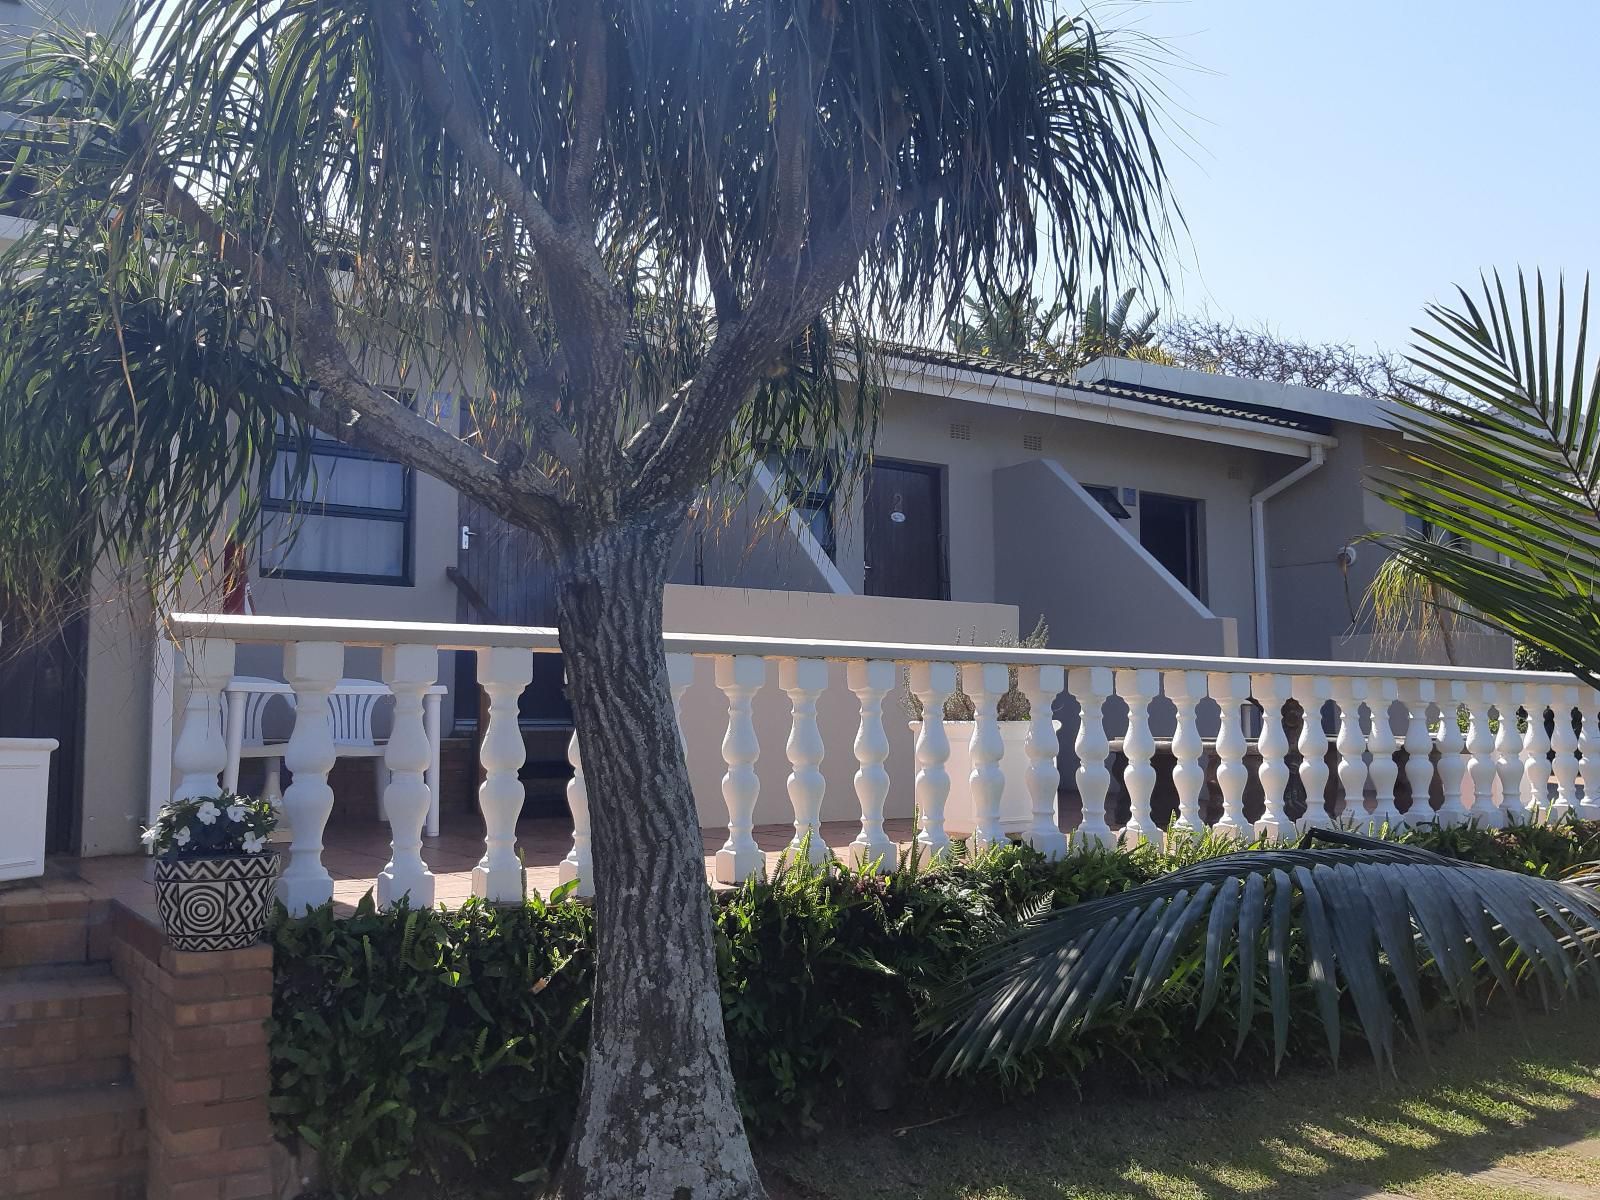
pixel 1589 748
pixel 740 676
pixel 313 670
pixel 1352 746
pixel 804 679
pixel 1381 745
pixel 1228 689
pixel 1013 782
pixel 1270 692
pixel 1507 754
pixel 931 683
pixel 1041 686
pixel 1564 747
pixel 1481 768
pixel 1137 689
pixel 1185 689
pixel 871 681
pixel 503 671
pixel 409 671
pixel 1090 686
pixel 1452 761
pixel 1417 695
pixel 1313 692
pixel 1536 755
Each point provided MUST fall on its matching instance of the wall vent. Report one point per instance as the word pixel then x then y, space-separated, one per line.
pixel 961 431
pixel 1032 441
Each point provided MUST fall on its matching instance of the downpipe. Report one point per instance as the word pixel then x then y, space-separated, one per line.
pixel 1315 458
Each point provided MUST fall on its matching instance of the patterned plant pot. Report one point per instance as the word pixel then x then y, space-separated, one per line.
pixel 218 903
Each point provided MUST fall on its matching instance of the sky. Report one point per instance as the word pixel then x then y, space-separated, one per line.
pixel 1341 165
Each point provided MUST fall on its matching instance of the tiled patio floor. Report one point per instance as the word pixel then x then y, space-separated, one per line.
pixel 354 851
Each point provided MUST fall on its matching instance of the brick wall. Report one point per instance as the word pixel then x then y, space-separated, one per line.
pixel 199 1055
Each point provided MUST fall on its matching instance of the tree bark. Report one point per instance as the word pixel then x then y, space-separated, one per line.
pixel 658 1118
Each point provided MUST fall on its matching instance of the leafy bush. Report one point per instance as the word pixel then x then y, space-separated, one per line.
pixel 1548 849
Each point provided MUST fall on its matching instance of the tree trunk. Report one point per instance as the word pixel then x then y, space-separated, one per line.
pixel 658 1118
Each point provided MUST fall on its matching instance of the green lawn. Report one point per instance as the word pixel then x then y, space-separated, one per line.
pixel 1500 1114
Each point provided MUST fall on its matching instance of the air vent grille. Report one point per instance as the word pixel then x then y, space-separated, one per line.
pixel 1032 441
pixel 960 431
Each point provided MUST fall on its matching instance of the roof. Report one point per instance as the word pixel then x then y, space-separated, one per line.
pixel 1298 409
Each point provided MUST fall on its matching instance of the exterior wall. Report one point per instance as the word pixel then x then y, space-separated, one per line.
pixel 916 428
pixel 116 721
pixel 1470 650
pixel 800 615
pixel 747 543
pixel 1047 530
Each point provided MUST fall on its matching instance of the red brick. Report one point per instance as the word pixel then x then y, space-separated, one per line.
pixel 194 989
pixel 250 983
pixel 196 1116
pixel 223 1012
pixel 255 1186
pixel 36 943
pixel 255 1133
pixel 207 1140
pixel 193 1189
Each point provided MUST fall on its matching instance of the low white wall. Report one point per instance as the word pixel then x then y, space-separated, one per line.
pixel 812 614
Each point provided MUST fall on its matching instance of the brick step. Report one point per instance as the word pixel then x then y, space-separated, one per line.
pixel 58 925
pixel 77 1143
pixel 62 1029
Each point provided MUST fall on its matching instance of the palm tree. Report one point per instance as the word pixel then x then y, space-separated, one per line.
pixel 628 229
pixel 1017 325
pixel 1113 333
pixel 1501 464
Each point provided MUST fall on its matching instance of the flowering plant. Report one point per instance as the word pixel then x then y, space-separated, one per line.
pixel 205 825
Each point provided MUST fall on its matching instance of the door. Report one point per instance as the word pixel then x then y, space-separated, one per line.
pixel 905 546
pixel 41 695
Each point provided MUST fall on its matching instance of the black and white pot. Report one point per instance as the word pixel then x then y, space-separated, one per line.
pixel 216 903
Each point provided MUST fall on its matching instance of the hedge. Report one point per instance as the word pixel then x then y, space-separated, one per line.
pixel 436 1043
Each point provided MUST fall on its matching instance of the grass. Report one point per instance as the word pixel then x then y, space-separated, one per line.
pixel 1500 1113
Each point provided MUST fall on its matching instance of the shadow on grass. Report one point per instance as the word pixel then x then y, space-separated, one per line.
pixel 1504 1089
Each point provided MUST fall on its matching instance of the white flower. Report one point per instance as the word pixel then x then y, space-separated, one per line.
pixel 149 836
pixel 182 836
pixel 253 844
pixel 236 813
pixel 207 813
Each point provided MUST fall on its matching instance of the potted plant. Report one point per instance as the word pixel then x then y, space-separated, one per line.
pixel 215 873
pixel 1014 713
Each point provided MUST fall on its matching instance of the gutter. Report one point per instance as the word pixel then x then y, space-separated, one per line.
pixel 1316 456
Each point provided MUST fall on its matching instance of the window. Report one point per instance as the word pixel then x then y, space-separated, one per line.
pixel 349 521
pixel 1107 499
pixel 1170 529
pixel 809 486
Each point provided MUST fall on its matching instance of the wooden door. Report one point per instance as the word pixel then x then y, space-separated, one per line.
pixel 905 544
pixel 41 695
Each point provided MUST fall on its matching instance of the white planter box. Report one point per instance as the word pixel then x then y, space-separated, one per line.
pixel 1016 806
pixel 24 786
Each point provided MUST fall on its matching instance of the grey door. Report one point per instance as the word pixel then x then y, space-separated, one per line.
pixel 904 534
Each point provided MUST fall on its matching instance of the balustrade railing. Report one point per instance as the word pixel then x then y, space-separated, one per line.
pixel 1243 747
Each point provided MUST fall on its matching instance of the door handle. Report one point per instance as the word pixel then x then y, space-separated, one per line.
pixel 466 537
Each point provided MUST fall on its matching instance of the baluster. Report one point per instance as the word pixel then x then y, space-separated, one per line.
pixel 503 671
pixel 1589 746
pixel 1041 686
pixel 1564 743
pixel 200 753
pixel 1138 688
pixel 680 674
pixel 1185 689
pixel 1269 691
pixel 804 679
pixel 1480 760
pixel 313 670
pixel 1418 694
pixel 1536 756
pixel 1228 690
pixel 409 671
pixel 1090 686
pixel 1313 692
pixel 986 683
pixel 1507 755
pixel 1381 743
pixel 579 862
pixel 740 676
pixel 1352 746
pixel 931 684
pixel 871 681
pixel 1452 762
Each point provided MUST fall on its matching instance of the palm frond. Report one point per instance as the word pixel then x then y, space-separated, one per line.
pixel 1373 917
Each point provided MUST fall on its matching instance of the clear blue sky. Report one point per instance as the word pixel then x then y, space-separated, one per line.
pixel 1349 162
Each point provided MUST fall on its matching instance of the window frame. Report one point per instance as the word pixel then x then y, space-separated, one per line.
pixel 405 516
pixel 1196 505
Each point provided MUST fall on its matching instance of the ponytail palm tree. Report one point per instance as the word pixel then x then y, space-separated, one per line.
pixel 632 231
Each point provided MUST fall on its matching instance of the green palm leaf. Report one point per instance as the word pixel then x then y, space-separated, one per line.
pixel 1373 916
pixel 1502 458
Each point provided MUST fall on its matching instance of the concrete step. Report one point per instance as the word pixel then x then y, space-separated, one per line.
pixel 84 1143
pixel 62 1030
